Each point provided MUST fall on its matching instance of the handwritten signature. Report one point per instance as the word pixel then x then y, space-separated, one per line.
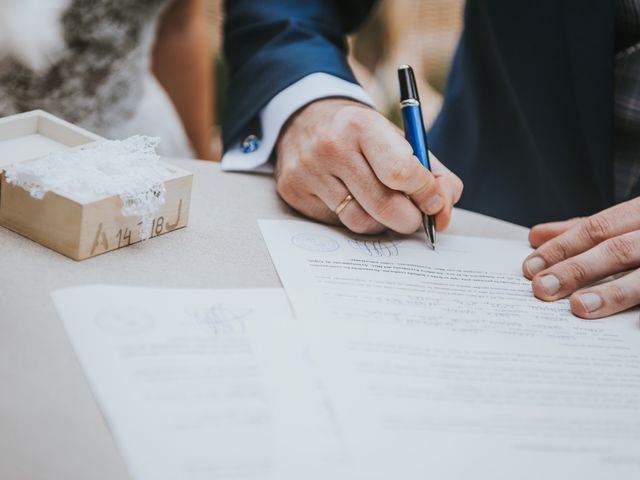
pixel 376 248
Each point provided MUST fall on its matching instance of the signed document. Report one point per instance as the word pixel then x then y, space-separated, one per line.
pixel 203 384
pixel 441 364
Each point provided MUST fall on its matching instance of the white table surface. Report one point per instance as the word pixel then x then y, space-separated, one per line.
pixel 50 424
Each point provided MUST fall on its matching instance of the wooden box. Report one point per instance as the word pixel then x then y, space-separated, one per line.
pixel 76 228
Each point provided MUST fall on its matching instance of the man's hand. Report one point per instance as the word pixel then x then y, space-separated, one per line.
pixel 334 147
pixel 575 254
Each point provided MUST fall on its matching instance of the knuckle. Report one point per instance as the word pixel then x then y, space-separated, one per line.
pixel 577 272
pixel 597 229
pixel 398 174
pixel 622 250
pixel 617 295
pixel 357 119
pixel 287 183
pixel 556 252
pixel 285 190
pixel 329 146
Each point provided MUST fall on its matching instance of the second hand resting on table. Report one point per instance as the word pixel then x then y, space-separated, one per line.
pixel 335 147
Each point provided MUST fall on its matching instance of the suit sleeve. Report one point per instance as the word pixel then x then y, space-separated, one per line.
pixel 271 44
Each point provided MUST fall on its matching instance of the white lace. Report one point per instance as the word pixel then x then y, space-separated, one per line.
pixel 128 168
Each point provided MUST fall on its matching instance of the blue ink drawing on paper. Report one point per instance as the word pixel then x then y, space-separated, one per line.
pixel 376 248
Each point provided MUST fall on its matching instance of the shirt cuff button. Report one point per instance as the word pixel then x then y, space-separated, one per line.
pixel 250 144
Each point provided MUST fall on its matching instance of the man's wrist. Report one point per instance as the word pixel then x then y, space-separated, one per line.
pixel 314 87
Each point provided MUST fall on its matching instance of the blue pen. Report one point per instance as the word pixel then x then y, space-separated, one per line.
pixel 415 133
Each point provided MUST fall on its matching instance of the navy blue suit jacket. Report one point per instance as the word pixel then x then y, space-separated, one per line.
pixel 527 117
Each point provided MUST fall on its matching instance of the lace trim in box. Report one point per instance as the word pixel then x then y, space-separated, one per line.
pixel 128 168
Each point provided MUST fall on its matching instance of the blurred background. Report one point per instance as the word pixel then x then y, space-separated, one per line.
pixel 86 61
pixel 422 34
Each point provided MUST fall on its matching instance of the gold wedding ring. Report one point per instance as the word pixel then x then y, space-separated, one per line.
pixel 343 204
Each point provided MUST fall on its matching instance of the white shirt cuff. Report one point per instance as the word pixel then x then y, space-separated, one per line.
pixel 272 117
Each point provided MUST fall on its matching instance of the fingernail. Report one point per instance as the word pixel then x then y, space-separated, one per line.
pixel 590 301
pixel 535 265
pixel 434 204
pixel 550 284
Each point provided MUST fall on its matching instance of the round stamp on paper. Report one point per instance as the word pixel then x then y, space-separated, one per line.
pixel 124 321
pixel 315 243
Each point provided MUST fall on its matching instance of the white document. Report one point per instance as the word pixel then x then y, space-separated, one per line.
pixel 443 365
pixel 203 384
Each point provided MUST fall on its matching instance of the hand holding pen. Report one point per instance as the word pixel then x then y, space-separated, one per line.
pixel 342 162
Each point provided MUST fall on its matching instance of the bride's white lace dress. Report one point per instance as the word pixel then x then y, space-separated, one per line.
pixel 89 62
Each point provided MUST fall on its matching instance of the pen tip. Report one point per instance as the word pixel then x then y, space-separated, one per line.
pixel 430 229
pixel 431 241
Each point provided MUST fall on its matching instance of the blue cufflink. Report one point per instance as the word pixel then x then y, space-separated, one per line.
pixel 250 144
